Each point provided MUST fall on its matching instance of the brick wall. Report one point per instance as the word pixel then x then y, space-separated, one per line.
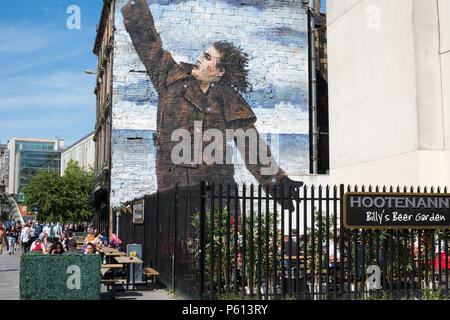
pixel 273 33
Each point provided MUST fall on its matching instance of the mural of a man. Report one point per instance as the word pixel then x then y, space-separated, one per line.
pixel 208 93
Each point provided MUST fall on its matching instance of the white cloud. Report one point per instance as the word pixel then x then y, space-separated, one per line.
pixel 61 103
pixel 23 39
pixel 37 61
pixel 63 90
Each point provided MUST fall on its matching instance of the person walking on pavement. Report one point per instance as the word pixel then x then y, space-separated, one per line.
pixel 47 229
pixel 18 230
pixel 57 230
pixel 12 238
pixel 33 235
pixel 37 229
pixel 3 238
pixel 25 238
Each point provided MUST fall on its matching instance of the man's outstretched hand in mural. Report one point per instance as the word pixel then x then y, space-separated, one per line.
pixel 290 188
pixel 202 100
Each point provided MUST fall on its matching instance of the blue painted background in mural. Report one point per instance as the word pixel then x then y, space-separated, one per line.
pixel 268 34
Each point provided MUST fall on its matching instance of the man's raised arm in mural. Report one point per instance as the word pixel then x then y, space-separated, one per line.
pixel 140 25
pixel 209 94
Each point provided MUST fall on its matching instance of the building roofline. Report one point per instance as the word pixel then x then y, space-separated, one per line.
pixel 34 139
pixel 101 26
pixel 74 144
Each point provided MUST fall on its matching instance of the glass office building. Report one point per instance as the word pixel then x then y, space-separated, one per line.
pixel 27 157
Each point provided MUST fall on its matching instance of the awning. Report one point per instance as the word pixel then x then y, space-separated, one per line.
pixel 97 196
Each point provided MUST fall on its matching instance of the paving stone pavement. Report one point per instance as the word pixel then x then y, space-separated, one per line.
pixel 9 275
pixel 10 279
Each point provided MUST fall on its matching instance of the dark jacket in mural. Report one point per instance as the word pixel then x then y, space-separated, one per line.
pixel 181 102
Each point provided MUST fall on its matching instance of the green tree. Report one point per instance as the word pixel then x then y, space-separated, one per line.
pixel 63 198
pixel 44 190
pixel 76 188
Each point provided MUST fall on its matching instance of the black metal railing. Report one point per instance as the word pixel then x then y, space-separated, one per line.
pixel 219 241
pixel 249 245
pixel 166 237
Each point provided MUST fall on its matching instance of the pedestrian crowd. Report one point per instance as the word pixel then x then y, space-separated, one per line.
pixel 50 238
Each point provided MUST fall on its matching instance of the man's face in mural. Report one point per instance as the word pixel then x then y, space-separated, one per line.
pixel 206 68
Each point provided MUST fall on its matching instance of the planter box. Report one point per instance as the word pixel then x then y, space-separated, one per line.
pixel 60 277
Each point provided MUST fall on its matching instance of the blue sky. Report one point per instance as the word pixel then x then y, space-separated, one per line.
pixel 323 5
pixel 44 90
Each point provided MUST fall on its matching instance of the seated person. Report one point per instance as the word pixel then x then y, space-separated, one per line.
pixel 104 238
pixel 90 238
pixel 115 242
pixel 56 248
pixel 64 241
pixel 90 249
pixel 39 245
pixel 72 247
pixel 334 257
pixel 46 242
pixel 98 240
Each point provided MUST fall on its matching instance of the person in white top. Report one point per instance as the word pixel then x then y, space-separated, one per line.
pixel 47 229
pixel 57 230
pixel 334 257
pixel 25 238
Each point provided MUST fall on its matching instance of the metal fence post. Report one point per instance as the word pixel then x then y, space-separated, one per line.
pixel 202 239
pixel 174 252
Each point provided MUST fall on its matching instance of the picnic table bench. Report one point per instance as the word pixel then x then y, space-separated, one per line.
pixel 111 282
pixel 149 272
pixel 112 265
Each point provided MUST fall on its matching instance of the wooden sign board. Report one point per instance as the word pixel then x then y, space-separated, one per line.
pixel 373 210
pixel 138 212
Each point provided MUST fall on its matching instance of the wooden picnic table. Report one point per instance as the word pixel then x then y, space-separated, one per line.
pixel 107 249
pixel 111 282
pixel 106 252
pixel 286 257
pixel 114 254
pixel 106 267
pixel 127 261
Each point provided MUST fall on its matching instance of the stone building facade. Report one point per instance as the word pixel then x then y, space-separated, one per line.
pixel 389 90
pixel 4 164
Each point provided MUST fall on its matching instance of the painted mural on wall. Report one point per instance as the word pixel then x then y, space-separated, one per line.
pixel 225 99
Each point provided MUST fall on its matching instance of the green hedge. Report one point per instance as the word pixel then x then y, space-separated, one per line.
pixel 60 277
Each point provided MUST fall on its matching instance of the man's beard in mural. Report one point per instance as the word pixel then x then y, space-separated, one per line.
pixel 200 109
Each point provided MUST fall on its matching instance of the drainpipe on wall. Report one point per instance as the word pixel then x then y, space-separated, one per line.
pixel 111 93
pixel 313 82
